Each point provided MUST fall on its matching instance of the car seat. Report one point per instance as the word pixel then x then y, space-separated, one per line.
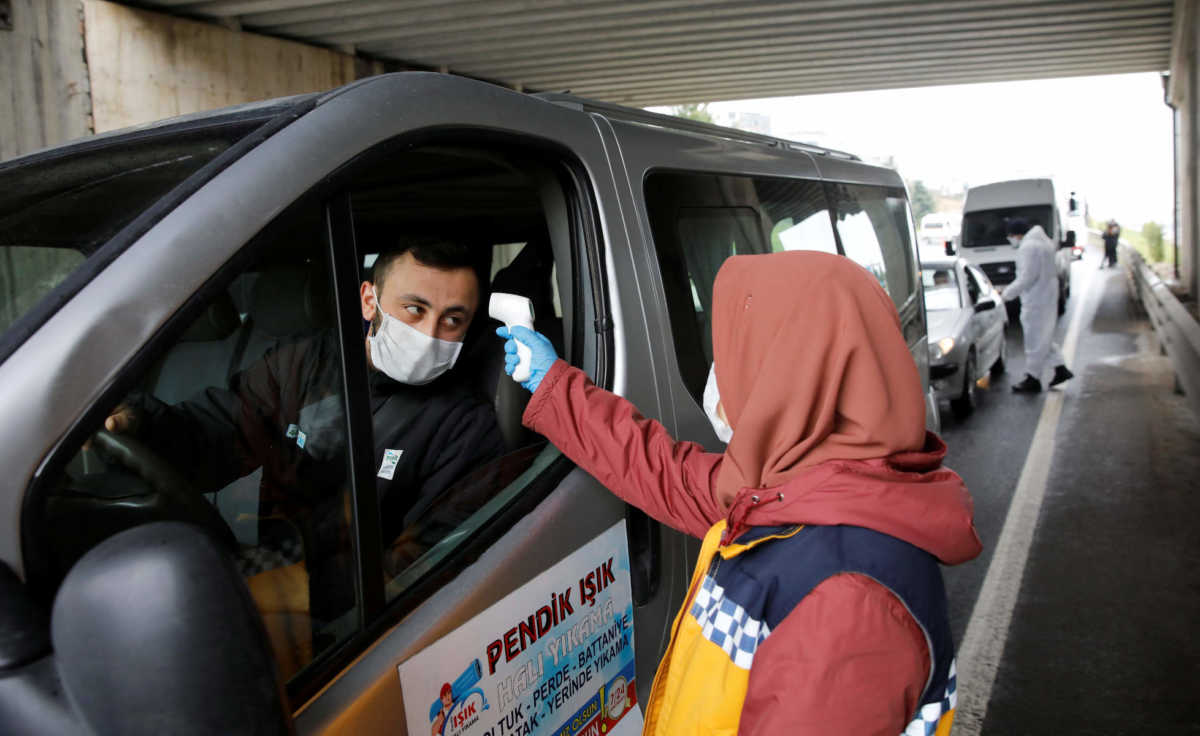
pixel 529 275
pixel 200 358
pixel 285 301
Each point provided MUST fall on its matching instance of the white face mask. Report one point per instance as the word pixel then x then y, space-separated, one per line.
pixel 408 355
pixel 711 399
pixel 1014 241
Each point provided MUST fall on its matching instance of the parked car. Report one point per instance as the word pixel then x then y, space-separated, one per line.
pixel 162 261
pixel 986 212
pixel 967 321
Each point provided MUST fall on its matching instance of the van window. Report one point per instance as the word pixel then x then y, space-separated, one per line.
pixel 698 220
pixel 237 425
pixel 56 211
pixel 262 422
pixel 245 423
pixel 875 230
pixel 990 227
pixel 461 453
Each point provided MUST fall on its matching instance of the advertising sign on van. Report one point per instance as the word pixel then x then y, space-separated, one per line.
pixel 553 657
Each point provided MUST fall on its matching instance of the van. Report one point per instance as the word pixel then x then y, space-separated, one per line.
pixel 937 231
pixel 165 262
pixel 984 239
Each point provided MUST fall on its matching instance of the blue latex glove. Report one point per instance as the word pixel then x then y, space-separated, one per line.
pixel 540 347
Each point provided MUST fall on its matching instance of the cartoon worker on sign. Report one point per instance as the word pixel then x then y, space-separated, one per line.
pixel 447 705
pixel 458 694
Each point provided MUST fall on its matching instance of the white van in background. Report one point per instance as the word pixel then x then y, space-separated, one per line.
pixel 986 213
pixel 938 228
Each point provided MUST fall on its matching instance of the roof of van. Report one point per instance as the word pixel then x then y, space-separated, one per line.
pixel 939 263
pixel 1011 193
pixel 945 218
pixel 267 108
pixel 672 122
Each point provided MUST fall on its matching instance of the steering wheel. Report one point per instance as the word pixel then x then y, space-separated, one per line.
pixel 173 494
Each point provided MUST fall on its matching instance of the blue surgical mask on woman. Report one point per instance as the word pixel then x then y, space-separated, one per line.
pixel 406 354
pixel 711 398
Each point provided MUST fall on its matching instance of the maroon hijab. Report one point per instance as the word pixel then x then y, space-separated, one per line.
pixel 811 366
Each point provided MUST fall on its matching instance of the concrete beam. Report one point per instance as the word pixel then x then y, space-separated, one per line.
pixel 1183 94
pixel 45 97
pixel 802 66
pixel 834 81
pixel 874 43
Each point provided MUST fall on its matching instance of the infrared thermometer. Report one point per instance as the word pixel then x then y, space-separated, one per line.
pixel 513 310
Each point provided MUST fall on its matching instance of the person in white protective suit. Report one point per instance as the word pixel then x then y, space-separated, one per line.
pixel 1037 286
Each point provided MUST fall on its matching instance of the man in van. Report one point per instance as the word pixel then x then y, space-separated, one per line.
pixel 285 411
pixel 1037 286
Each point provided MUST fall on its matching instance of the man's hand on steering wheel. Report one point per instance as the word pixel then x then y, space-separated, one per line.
pixel 119 444
pixel 124 419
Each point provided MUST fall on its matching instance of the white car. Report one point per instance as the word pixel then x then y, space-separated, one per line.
pixel 966 320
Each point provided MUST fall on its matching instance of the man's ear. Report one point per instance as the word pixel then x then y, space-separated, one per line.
pixel 366 297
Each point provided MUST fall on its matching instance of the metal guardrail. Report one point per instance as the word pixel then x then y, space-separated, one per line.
pixel 1177 330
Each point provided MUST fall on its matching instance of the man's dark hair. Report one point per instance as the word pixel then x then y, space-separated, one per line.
pixel 1018 226
pixel 437 253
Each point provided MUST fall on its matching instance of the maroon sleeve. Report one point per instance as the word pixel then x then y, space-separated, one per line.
pixel 848 659
pixel 632 456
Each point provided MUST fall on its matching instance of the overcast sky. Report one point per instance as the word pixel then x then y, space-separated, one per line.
pixel 1109 138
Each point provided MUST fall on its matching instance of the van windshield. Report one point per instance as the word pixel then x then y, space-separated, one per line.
pixel 988 227
pixel 56 210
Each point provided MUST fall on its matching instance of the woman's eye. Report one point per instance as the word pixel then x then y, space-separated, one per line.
pixel 414 309
pixel 452 321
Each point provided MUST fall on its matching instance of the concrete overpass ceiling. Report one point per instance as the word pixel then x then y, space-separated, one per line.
pixel 658 52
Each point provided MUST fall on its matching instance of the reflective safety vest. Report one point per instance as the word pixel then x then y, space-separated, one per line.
pixel 743 590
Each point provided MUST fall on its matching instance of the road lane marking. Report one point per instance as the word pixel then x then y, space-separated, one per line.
pixel 983 645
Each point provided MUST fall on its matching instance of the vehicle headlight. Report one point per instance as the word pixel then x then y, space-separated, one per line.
pixel 941 347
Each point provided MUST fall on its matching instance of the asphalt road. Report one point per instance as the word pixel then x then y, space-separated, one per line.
pixel 988 450
pixel 1101 637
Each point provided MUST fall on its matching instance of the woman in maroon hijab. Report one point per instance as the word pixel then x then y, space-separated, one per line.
pixel 817 604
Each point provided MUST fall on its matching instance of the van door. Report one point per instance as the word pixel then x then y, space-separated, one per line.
pixel 207 308
pixel 699 200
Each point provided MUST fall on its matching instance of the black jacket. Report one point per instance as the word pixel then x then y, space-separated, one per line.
pixel 441 430
pixel 284 413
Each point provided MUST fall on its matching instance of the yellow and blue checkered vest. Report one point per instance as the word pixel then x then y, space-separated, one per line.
pixel 748 587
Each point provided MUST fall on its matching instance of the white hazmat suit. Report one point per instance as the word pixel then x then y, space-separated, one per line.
pixel 1037 286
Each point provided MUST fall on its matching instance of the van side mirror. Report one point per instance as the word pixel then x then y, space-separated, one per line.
pixel 31 700
pixel 154 631
pixel 24 634
pixel 984 305
pixel 949 247
pixel 1070 240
